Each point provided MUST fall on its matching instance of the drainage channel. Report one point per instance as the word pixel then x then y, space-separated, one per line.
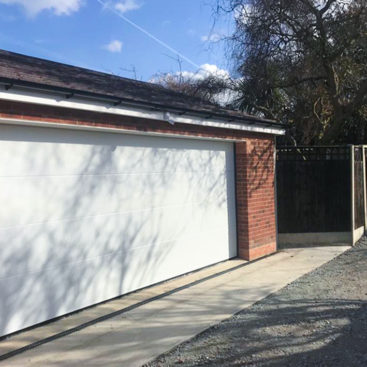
pixel 122 311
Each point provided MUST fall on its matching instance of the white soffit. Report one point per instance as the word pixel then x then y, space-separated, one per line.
pixel 57 100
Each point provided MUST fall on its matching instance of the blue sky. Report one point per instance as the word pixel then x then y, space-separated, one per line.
pixel 84 33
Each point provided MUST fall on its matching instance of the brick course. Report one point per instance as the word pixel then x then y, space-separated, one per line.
pixel 255 197
pixel 254 156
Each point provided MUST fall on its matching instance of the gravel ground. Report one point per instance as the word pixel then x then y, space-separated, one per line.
pixel 318 320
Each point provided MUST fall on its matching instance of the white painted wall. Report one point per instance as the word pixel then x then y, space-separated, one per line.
pixel 88 216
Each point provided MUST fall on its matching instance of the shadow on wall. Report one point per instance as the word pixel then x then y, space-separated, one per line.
pixel 255 195
pixel 261 165
pixel 89 218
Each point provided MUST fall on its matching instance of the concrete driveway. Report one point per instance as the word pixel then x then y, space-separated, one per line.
pixel 132 330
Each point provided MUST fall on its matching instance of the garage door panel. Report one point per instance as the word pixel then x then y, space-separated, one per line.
pixel 63 286
pixel 92 236
pixel 90 216
pixel 64 198
pixel 76 240
pixel 82 153
pixel 134 267
pixel 42 208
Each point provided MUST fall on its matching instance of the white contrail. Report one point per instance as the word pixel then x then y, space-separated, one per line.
pixel 119 14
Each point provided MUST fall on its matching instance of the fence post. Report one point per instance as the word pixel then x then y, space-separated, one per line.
pixel 276 194
pixel 352 190
pixel 364 187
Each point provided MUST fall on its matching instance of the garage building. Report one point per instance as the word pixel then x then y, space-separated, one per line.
pixel 109 185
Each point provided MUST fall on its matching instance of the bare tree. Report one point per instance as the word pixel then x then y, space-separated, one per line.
pixel 303 62
pixel 211 88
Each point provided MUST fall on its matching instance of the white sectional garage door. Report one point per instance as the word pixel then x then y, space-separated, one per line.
pixel 88 216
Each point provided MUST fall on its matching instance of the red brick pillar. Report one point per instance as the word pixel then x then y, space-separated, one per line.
pixel 256 226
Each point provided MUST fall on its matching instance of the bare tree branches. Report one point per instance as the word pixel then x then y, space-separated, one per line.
pixel 210 87
pixel 303 62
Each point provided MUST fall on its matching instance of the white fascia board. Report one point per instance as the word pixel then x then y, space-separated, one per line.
pixel 55 100
pixel 100 129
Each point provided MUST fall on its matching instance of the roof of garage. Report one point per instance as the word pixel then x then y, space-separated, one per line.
pixel 26 71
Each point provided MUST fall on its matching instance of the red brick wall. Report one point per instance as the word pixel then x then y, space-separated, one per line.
pixel 254 154
pixel 256 225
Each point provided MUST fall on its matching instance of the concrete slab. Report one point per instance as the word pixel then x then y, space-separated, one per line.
pixel 70 322
pixel 139 335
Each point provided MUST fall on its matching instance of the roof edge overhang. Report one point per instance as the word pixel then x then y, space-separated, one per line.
pixel 19 91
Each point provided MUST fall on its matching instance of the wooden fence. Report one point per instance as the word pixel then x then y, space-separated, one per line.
pixel 321 194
